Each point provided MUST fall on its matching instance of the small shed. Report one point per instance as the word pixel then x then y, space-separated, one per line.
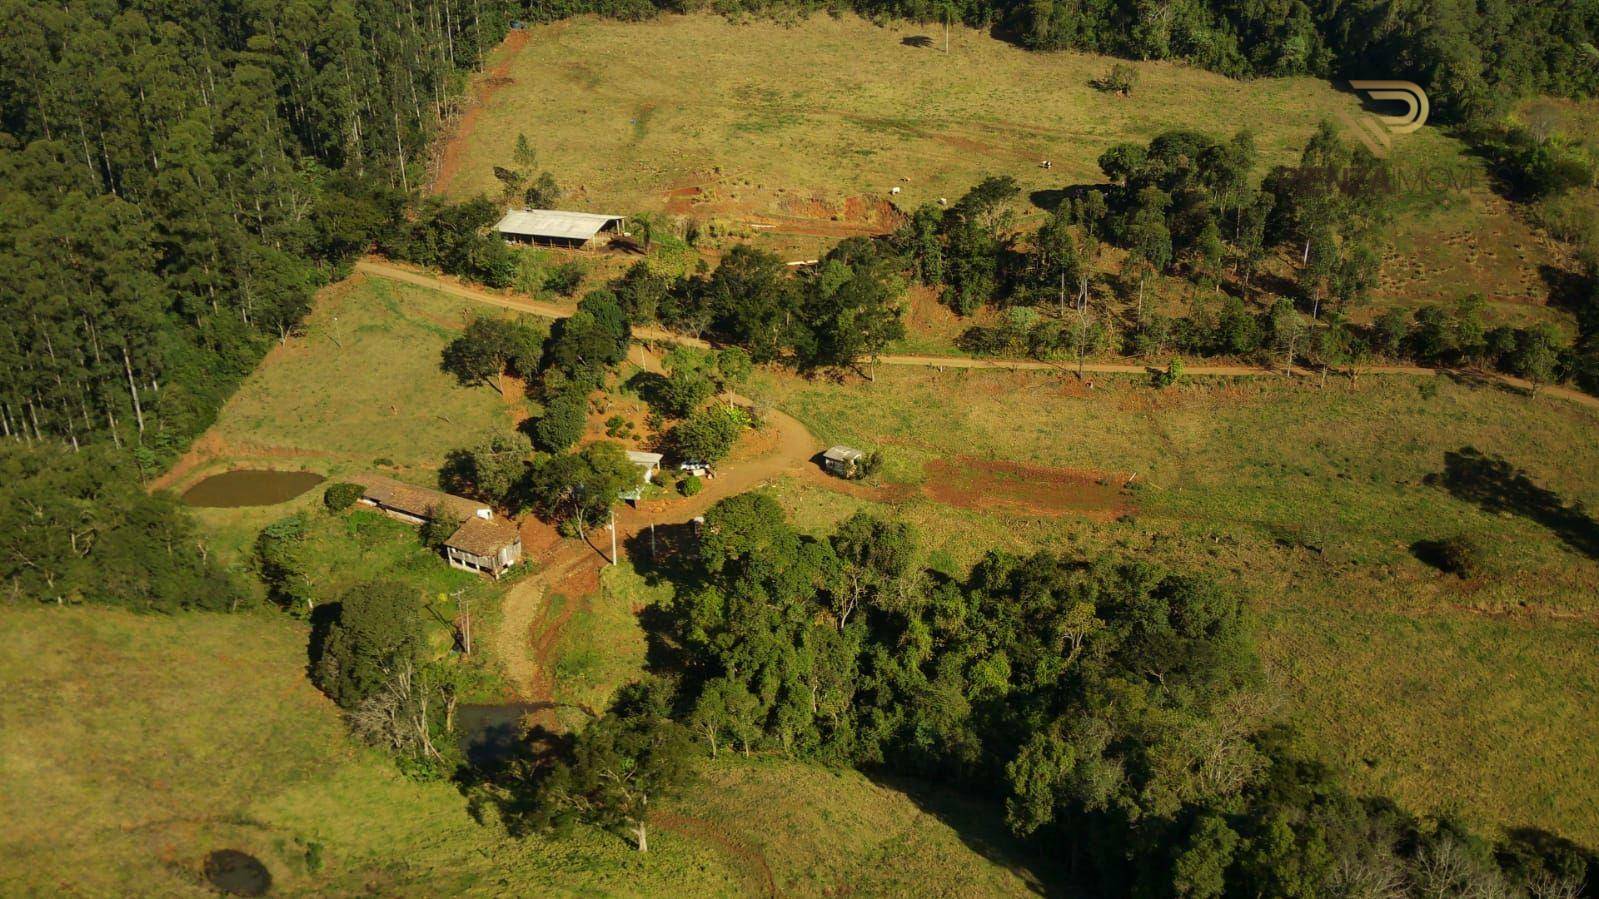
pixel 414 504
pixel 486 546
pixel 843 461
pixel 557 228
pixel 650 463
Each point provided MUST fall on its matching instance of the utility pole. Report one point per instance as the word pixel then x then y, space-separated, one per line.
pixel 466 620
pixel 613 536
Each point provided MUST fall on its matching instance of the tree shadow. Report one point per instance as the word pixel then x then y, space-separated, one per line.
pixel 666 556
pixel 919 41
pixel 650 387
pixel 1480 381
pixel 1529 851
pixel 979 825
pixel 1496 486
pixel 1050 198
pixel 1568 290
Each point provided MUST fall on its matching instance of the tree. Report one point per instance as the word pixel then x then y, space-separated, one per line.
pixel 709 434
pixel 1537 354
pixel 633 755
pixel 78 527
pixel 875 556
pixel 490 471
pixel 374 629
pixel 685 391
pixel 1148 239
pixel 1085 336
pixel 1055 262
pixel 490 347
pixel 850 309
pixel 341 495
pixel 1287 330
pixel 565 416
pixel 726 708
pixel 582 487
pixel 438 527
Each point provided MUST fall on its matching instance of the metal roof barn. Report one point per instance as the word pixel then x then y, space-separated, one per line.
pixel 555 227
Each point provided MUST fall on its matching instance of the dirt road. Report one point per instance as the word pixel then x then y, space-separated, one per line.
pixel 385 269
pixel 382 268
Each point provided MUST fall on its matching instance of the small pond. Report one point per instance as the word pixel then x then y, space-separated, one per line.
pixel 491 733
pixel 250 487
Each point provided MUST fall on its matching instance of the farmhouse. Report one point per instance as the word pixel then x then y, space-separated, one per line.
pixel 487 546
pixel 482 543
pixel 842 460
pixel 557 228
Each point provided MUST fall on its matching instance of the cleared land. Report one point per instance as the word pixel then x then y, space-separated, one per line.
pixel 361 384
pixel 130 747
pixel 793 134
pixel 1308 501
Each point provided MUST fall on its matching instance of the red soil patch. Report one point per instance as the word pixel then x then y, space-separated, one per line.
pixel 1014 487
pixel 680 200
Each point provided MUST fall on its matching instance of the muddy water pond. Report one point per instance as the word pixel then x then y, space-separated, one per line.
pixel 250 487
pixel 493 733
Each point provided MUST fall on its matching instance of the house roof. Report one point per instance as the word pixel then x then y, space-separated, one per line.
pixel 554 223
pixel 843 454
pixel 483 537
pixel 418 501
pixel 642 458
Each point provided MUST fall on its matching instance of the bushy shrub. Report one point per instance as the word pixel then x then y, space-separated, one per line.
pixel 1458 555
pixel 690 485
pixel 564 278
pixel 341 496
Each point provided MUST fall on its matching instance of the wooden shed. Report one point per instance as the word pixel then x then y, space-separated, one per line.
pixel 843 461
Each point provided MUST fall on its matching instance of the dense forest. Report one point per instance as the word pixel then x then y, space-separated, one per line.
pixel 181 177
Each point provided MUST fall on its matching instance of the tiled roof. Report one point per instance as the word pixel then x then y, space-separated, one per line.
pixel 483 537
pixel 414 500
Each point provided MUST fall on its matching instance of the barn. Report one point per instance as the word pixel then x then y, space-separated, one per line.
pixel 558 228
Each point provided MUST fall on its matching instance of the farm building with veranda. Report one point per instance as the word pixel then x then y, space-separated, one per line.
pixel 559 228
pixel 482 542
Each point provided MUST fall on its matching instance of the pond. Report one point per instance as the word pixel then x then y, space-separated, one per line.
pixel 250 487
pixel 491 733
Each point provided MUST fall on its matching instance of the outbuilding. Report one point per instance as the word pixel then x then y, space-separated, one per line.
pixel 558 228
pixel 413 504
pixel 843 461
pixel 486 546
pixel 649 463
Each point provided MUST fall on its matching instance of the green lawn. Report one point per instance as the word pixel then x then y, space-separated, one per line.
pixel 1472 695
pixel 131 746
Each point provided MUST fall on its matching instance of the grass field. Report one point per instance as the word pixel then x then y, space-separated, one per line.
pixel 793 134
pixel 132 746
pixel 1472 695
pixel 362 384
